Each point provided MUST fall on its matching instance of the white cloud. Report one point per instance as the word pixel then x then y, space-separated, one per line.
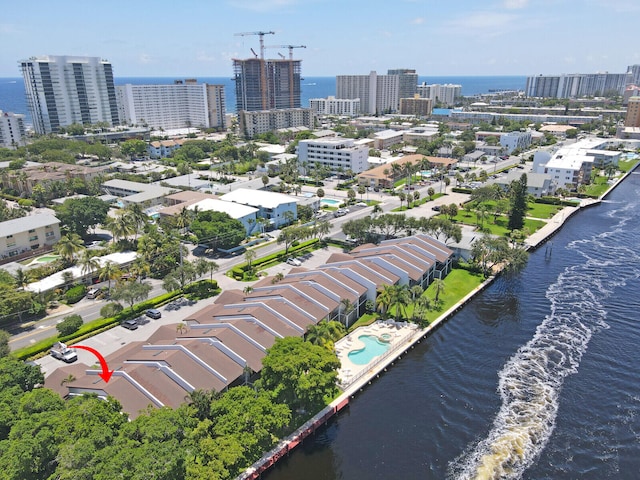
pixel 515 4
pixel 262 5
pixel 8 29
pixel 484 20
pixel 417 21
pixel 145 58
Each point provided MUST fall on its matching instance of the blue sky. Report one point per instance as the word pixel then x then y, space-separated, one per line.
pixel 435 37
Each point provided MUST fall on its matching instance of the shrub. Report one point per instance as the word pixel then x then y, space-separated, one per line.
pixel 110 310
pixel 69 325
pixel 201 289
pixel 75 294
pixel 26 202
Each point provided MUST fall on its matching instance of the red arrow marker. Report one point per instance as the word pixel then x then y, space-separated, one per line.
pixel 106 373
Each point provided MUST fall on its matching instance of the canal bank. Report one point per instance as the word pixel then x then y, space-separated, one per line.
pixel 397 353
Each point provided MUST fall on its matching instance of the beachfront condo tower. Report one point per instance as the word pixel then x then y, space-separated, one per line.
pixel 63 90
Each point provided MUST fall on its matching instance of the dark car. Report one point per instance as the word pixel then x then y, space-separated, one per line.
pixel 153 313
pixel 436 208
pixel 130 324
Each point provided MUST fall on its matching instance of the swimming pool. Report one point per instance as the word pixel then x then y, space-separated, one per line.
pixel 330 202
pixel 373 347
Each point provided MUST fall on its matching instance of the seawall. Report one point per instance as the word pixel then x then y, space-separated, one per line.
pixel 342 401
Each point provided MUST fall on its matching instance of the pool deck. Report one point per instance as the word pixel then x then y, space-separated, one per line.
pixel 397 332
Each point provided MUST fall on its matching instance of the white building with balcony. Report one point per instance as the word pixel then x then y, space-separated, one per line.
pixel 12 131
pixel 335 106
pixel 33 232
pixel 334 153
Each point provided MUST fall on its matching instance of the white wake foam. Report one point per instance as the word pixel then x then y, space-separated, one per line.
pixel 530 382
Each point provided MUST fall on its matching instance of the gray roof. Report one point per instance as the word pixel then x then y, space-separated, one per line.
pixel 24 224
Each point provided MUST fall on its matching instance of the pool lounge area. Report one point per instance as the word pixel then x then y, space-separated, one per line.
pixel 363 348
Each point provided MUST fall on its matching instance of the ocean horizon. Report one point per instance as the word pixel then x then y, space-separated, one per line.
pixel 12 91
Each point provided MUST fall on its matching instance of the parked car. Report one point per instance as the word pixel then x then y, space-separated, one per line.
pixel 294 261
pixel 153 313
pixel 436 208
pixel 130 324
pixel 340 212
pixel 361 204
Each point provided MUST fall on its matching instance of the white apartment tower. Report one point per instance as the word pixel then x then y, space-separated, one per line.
pixel 440 94
pixel 63 90
pixel 12 131
pixel 334 153
pixel 178 105
pixel 378 94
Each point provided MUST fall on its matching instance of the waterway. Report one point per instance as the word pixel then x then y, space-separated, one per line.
pixel 536 377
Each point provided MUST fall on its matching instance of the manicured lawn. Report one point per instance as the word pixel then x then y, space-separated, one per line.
pixel 542 210
pixel 364 320
pixel 500 225
pixel 626 165
pixel 457 285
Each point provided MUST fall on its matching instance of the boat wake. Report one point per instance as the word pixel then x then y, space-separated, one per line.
pixel 531 381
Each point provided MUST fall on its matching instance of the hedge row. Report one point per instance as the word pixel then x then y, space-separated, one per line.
pixel 238 271
pixel 555 201
pixel 92 328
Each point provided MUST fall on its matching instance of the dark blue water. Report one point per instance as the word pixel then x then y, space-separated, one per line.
pixel 12 98
pixel 536 378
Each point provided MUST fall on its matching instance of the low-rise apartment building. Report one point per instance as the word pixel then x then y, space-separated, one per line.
pixel 23 235
pixel 334 153
pixel 222 340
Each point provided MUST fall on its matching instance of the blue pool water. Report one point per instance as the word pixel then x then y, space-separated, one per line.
pixel 373 347
pixel 330 202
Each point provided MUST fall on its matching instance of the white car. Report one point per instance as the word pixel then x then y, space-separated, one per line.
pixel 361 204
pixel 294 261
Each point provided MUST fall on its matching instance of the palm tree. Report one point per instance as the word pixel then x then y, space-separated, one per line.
pixel 68 246
pixel 325 333
pixel 182 328
pixel 88 262
pixel 109 271
pixel 136 216
pixel 439 288
pixel 140 268
pixel 249 256
pixel 346 308
pixel 120 226
pixel 247 290
pixel 184 219
pixel 22 278
pixel 383 300
pixel 68 379
pixel 400 298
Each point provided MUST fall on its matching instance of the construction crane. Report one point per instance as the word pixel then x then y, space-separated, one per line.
pixel 254 52
pixel 290 47
pixel 261 34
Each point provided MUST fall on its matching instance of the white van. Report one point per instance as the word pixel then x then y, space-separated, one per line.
pixel 93 293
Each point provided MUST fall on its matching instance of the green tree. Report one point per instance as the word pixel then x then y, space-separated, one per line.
pixel 4 343
pixel 131 292
pixel 109 271
pixel 70 324
pixel 78 215
pixel 300 374
pixel 68 246
pixel 518 203
pixel 289 235
pixel 88 262
pixel 133 148
pixel 325 333
pixel 218 229
pixel 179 278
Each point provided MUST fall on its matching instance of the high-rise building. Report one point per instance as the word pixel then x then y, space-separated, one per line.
pixel 407 82
pixel 267 84
pixel 440 94
pixel 178 105
pixel 420 107
pixel 12 130
pixel 577 85
pixel 377 93
pixel 633 113
pixel 63 90
pixel 252 123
